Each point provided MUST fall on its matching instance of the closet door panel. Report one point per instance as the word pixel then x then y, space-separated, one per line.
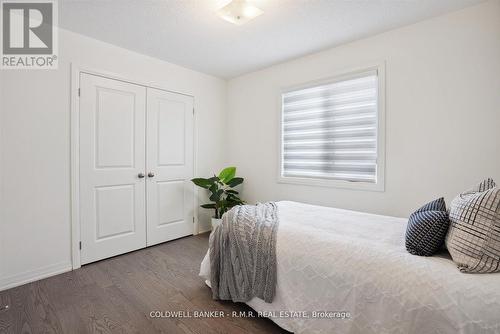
pixel 169 162
pixel 112 155
pixel 171 133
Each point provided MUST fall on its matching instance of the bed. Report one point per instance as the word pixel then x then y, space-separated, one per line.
pixel 355 264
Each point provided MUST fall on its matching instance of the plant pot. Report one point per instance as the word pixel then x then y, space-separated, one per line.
pixel 216 222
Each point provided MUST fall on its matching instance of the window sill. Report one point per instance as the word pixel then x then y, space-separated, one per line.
pixel 366 186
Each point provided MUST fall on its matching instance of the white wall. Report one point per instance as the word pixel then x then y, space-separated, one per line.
pixel 35 148
pixel 442 115
pixel 2 235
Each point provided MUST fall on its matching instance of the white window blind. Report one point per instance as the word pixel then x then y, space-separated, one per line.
pixel 329 131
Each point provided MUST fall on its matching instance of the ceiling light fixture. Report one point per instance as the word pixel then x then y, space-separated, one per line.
pixel 239 12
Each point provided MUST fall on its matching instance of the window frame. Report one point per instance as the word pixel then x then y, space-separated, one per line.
pixel 379 185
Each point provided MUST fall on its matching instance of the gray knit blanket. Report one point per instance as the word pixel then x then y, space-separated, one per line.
pixel 243 254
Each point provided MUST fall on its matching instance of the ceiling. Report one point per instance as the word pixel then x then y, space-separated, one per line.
pixel 189 33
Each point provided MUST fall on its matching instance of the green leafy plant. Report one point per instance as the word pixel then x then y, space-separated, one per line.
pixel 221 189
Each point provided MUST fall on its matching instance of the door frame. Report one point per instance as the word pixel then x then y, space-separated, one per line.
pixel 76 71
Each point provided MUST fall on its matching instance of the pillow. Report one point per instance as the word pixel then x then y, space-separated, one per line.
pixel 474 236
pixel 427 227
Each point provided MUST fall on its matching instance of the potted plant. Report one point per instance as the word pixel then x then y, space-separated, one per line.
pixel 222 193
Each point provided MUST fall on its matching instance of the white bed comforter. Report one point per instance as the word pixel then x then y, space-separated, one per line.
pixel 338 260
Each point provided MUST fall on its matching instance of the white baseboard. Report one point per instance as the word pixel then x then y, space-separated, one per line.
pixel 34 275
pixel 204 230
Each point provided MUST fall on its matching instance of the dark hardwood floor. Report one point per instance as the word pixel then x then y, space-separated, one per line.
pixel 117 295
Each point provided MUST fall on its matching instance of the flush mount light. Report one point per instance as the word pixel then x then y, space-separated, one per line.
pixel 239 12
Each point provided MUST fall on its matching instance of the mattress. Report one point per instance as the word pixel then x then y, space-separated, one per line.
pixel 341 271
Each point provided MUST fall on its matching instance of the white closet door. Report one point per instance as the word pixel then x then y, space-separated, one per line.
pixel 169 161
pixel 112 167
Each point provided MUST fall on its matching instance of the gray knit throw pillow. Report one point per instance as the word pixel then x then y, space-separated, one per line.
pixel 473 239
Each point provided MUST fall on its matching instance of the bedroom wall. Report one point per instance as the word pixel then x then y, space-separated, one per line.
pixel 442 114
pixel 35 146
pixel 2 243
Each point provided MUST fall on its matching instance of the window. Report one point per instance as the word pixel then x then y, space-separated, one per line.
pixel 331 132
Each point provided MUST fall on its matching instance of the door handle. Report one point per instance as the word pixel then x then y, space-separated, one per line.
pixel 151 174
pixel 140 175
